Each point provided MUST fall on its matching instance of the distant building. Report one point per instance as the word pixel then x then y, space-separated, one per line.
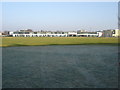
pixel 107 33
pixel 2 34
pixel 88 34
pixel 72 34
pixel 116 33
pixel 25 33
pixel 111 33
pixel 27 30
pixel 6 32
pixel 100 33
pixel 79 31
pixel 83 33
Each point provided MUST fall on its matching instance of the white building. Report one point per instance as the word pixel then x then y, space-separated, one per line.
pixel 99 34
pixel 72 34
pixel 10 33
pixel 38 34
pixel 116 33
pixel 25 33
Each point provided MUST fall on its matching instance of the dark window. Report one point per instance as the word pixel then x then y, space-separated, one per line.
pixel 26 32
pixel 55 32
pixel 74 35
pixel 15 32
pixel 35 32
pixel 20 32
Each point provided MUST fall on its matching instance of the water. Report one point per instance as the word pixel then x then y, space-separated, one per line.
pixel 73 66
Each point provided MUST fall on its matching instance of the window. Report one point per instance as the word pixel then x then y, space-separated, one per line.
pixel 35 32
pixel 26 32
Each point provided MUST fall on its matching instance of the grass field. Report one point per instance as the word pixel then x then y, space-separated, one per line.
pixel 34 41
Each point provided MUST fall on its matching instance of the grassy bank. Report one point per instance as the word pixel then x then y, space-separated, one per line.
pixel 33 41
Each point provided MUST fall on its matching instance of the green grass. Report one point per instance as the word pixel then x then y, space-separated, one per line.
pixel 34 41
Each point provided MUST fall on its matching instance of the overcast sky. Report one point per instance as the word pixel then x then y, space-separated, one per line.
pixel 64 16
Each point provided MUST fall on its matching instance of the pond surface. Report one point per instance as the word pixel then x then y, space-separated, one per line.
pixel 60 66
